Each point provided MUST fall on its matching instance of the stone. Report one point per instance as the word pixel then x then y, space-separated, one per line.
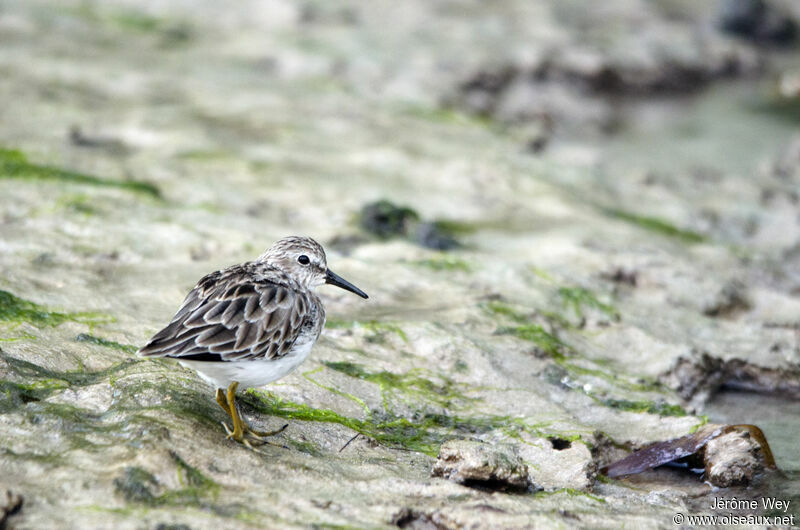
pixel 492 466
pixel 758 20
pixel 732 459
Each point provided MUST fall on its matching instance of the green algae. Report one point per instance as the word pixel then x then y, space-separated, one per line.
pixel 15 165
pixel 16 394
pixel 78 203
pixel 126 348
pixel 136 21
pixel 376 328
pixel 411 384
pixel 137 485
pixel 178 400
pixel 702 423
pixel 351 397
pixel 444 263
pixel 28 370
pixel 575 298
pixel 396 432
pixel 385 219
pixel 562 355
pixel 657 225
pixel 578 298
pixel 455 228
pixel 614 379
pixel 424 432
pixel 17 310
pixel 447 115
pixel 550 344
pixel 206 155
pixel 304 446
pixel 503 309
pixel 81 427
pixel 544 340
pixel 651 407
pixel 76 422
pixel 507 311
pixel 572 492
pixel 24 336
pixel 192 478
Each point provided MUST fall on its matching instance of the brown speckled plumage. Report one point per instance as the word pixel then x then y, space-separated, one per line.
pixel 248 311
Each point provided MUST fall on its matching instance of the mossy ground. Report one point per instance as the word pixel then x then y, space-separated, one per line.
pixel 424 432
pixel 571 363
pixel 15 165
pixel 15 310
pixel 212 132
pixel 376 330
pixel 657 226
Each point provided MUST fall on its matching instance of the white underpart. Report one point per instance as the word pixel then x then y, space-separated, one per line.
pixel 253 373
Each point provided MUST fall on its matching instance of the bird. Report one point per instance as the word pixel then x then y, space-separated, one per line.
pixel 251 324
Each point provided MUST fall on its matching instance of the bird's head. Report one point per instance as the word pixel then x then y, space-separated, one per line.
pixel 303 259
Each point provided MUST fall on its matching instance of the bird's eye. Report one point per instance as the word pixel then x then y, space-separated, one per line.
pixel 303 260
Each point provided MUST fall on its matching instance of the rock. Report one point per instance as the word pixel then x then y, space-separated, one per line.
pixel 136 484
pixel 433 235
pixel 80 139
pixel 741 17
pixel 569 85
pixel 416 520
pixel 786 166
pixel 385 219
pixel 732 459
pixel 757 20
pixel 490 466
pixel 731 454
pixel 696 379
pixel 481 90
pixel 730 302
pixel 10 505
pixel 557 463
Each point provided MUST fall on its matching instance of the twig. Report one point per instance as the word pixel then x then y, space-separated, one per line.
pixel 350 440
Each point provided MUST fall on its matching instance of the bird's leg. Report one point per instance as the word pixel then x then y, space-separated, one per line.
pixel 222 401
pixel 240 426
pixel 259 435
pixel 237 434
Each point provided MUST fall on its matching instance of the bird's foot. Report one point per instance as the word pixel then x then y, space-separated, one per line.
pixel 239 437
pixel 250 437
pixel 260 435
pixel 241 432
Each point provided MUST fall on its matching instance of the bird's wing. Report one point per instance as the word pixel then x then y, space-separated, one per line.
pixel 233 320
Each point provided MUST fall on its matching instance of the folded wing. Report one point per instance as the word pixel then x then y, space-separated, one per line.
pixel 231 321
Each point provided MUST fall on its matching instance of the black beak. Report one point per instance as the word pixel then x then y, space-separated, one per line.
pixel 334 279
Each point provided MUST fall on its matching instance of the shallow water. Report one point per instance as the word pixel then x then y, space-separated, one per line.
pixel 780 421
pixel 731 128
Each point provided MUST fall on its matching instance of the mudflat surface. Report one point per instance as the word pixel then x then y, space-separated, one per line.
pixel 621 181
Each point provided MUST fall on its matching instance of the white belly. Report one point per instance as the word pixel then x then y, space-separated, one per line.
pixel 251 373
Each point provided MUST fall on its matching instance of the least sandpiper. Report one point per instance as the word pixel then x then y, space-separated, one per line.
pixel 251 324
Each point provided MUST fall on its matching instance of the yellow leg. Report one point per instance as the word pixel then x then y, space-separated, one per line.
pixel 237 434
pixel 240 426
pixel 222 401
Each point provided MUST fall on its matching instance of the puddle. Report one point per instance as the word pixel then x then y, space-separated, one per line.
pixel 780 421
